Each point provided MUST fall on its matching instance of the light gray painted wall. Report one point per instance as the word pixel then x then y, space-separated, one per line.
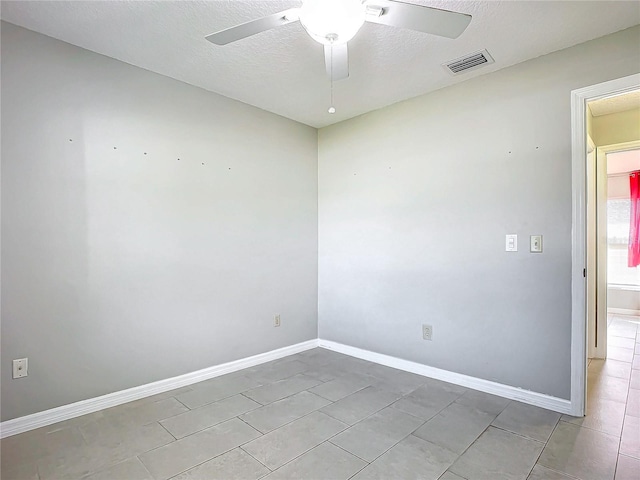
pixel 414 204
pixel 120 268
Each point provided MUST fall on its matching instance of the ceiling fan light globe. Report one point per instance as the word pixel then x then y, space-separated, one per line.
pixel 332 21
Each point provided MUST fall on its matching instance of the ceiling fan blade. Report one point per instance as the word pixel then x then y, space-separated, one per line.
pixel 336 59
pixel 247 29
pixel 417 17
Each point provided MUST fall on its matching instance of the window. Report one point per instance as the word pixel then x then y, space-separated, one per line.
pixel 618 217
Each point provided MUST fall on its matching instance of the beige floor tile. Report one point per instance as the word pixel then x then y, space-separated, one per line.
pixel 621 354
pixel 543 473
pixel 428 400
pixel 140 438
pixel 234 465
pixel 204 417
pixel 581 452
pixel 179 456
pixel 359 405
pixel 603 415
pixel 491 404
pixel 286 443
pixel 324 462
pixel 281 389
pixel 26 471
pixel 606 387
pixel 630 441
pixel 376 434
pixel 498 454
pixel 527 420
pixel 341 387
pixel 622 329
pixel 624 342
pixel 455 428
pixel 612 368
pixel 451 476
pixel 276 370
pixel 628 468
pixel 131 469
pixel 277 414
pixel 107 448
pixel 217 389
pixel 31 446
pixel 412 458
pixel 127 418
pixel 633 403
pixel 635 379
pixel 396 381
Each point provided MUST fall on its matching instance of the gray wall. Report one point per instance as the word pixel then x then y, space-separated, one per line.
pixel 120 268
pixel 414 203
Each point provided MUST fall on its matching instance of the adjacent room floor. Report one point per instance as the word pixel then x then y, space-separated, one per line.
pixel 323 415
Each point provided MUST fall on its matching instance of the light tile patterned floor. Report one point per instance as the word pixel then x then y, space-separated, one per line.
pixel 322 415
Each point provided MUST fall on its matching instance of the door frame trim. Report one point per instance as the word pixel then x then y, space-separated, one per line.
pixel 579 99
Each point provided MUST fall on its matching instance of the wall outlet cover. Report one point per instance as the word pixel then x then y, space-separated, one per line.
pixel 427 332
pixel 20 367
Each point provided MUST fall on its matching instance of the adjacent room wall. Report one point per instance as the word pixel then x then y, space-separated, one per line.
pixel 414 204
pixel 612 129
pixel 149 228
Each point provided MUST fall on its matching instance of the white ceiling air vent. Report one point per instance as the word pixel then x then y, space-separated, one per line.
pixel 468 62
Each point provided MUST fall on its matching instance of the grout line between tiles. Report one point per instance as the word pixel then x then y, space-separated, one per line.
pixel 257 460
pixel 545 446
pixel 166 430
pixel 177 400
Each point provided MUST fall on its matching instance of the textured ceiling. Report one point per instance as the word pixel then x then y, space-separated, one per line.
pixel 283 71
pixel 618 103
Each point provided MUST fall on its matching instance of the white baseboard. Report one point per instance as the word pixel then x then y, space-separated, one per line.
pixel 556 404
pixel 623 311
pixel 83 407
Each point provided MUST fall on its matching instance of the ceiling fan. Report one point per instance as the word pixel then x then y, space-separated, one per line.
pixel 334 22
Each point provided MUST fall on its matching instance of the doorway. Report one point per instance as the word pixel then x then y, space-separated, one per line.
pixel 613 287
pixel 584 270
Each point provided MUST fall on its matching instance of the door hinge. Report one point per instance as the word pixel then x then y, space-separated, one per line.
pixel 584 272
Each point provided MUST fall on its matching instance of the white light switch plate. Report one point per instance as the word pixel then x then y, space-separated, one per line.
pixel 511 243
pixel 536 243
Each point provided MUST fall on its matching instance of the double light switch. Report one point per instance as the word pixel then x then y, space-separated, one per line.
pixel 535 243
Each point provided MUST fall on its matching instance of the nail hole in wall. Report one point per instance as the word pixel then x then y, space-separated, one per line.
pixel 115 148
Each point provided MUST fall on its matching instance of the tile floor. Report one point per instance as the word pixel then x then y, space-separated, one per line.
pixel 322 415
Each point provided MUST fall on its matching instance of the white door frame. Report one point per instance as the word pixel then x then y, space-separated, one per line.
pixel 579 99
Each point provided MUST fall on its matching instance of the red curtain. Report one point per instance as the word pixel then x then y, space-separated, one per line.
pixel 634 227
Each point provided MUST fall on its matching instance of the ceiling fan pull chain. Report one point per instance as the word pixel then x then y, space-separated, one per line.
pixel 332 109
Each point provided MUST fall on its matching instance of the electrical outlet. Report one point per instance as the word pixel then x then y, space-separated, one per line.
pixel 20 367
pixel 276 320
pixel 427 331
